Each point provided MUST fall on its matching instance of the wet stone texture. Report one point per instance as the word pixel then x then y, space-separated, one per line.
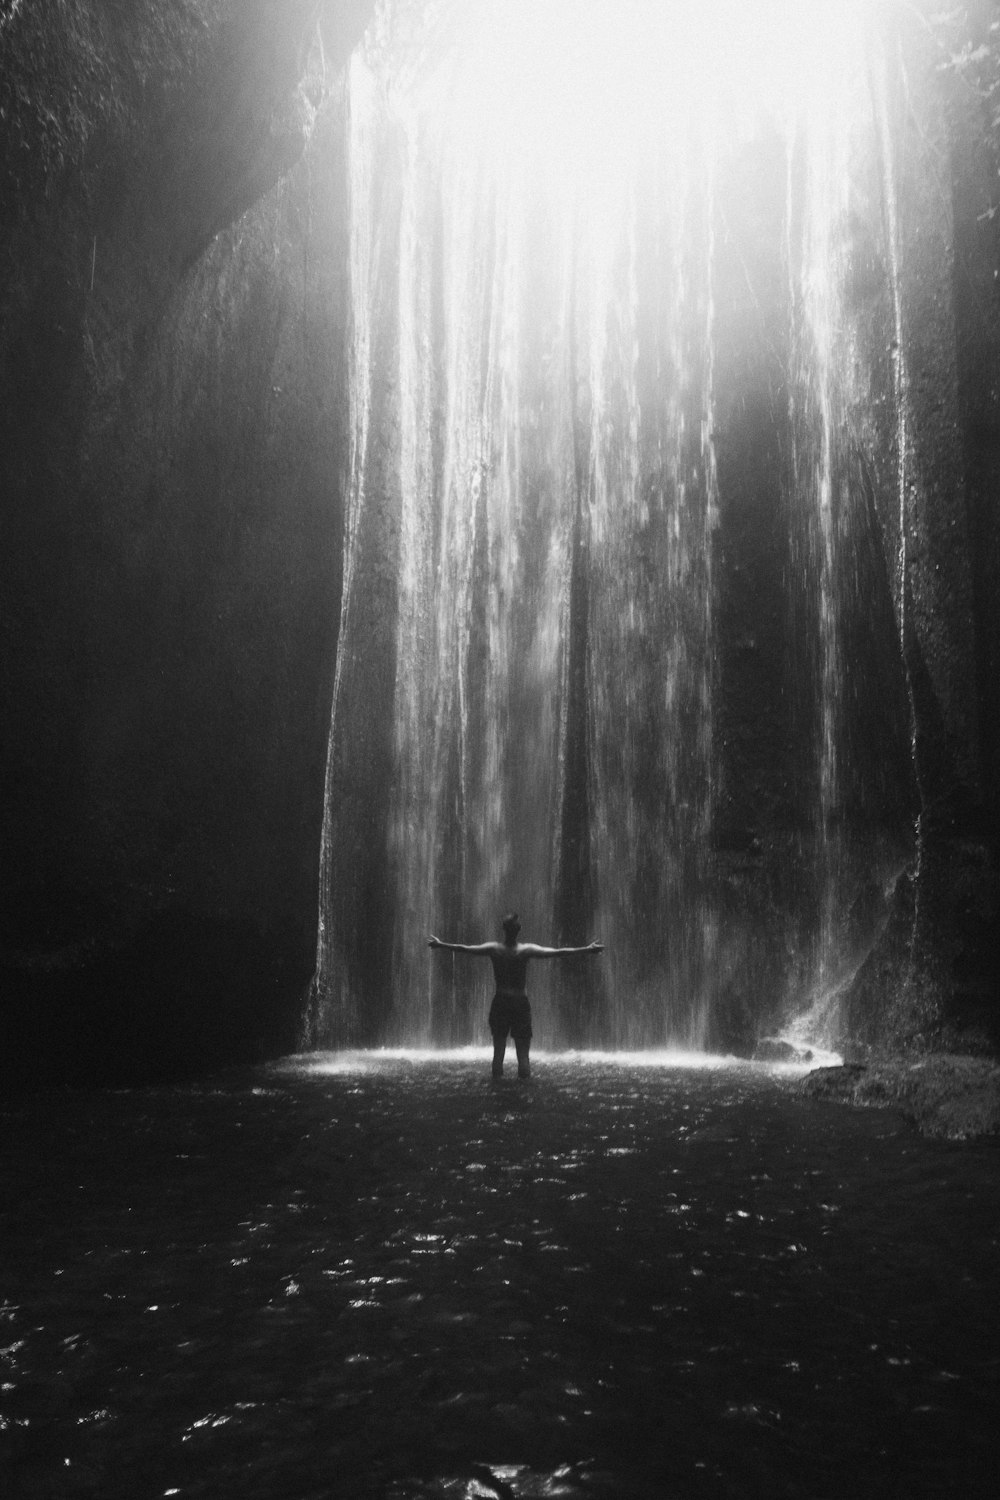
pixel 399 1280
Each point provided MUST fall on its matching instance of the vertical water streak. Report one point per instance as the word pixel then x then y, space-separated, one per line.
pixel 900 380
pixel 893 239
pixel 653 495
pixel 826 483
pixel 482 549
pixel 821 373
pixel 411 859
pixel 329 991
pixel 828 385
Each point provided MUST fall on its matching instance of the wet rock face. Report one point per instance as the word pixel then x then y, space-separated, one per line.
pixel 953 1098
pixel 171 338
pixel 935 975
pixel 973 159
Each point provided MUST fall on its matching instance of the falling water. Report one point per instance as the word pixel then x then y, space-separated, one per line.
pixel 902 454
pixel 817 417
pixel 524 705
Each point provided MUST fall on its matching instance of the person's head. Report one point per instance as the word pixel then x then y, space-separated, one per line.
pixel 511 927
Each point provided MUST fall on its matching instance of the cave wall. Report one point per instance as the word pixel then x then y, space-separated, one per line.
pixel 934 978
pixel 974 171
pixel 172 431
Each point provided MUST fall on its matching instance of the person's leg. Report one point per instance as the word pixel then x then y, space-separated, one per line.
pixel 499 1048
pixel 521 1032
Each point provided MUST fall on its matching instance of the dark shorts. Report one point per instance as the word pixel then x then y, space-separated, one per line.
pixel 511 1014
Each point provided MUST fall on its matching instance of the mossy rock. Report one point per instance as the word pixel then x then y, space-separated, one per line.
pixel 947 1097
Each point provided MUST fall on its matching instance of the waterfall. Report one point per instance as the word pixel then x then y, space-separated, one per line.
pixel 525 709
pixel 819 169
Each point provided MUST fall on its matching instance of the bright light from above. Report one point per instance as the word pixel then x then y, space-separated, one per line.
pixel 573 84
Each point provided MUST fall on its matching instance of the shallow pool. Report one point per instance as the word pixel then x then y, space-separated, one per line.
pixel 385 1276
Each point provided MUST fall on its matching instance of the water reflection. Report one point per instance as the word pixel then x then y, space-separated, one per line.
pixel 391 1279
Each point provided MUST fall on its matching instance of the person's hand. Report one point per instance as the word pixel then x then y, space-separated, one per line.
pixel 434 942
pixel 595 947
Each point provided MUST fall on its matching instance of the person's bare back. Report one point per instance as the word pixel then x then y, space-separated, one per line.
pixel 510 968
pixel 510 1013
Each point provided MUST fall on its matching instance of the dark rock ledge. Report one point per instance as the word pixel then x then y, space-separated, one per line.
pixel 949 1097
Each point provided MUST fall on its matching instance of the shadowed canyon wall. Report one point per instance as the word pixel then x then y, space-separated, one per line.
pixel 175 452
pixel 171 336
pixel 934 975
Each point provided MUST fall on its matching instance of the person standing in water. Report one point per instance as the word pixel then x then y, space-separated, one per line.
pixel 510 1013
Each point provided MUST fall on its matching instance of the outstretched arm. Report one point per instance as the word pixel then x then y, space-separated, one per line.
pixel 482 949
pixel 535 950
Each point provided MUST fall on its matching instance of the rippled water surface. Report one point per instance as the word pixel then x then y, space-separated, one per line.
pixel 384 1276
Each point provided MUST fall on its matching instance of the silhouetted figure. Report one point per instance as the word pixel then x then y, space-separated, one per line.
pixel 510 1013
